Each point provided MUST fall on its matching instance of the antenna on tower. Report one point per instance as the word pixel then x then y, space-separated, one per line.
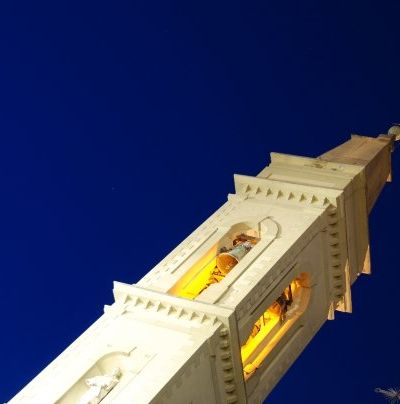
pixel 395 131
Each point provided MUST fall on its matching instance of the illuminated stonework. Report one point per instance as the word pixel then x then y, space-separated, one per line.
pixel 274 323
pixel 226 313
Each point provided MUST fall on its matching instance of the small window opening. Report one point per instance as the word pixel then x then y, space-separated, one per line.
pixel 215 264
pixel 273 324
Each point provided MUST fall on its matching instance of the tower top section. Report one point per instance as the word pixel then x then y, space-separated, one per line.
pixel 373 154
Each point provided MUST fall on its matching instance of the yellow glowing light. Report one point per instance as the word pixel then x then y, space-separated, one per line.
pixel 206 271
pixel 266 333
pixel 197 277
pixel 271 320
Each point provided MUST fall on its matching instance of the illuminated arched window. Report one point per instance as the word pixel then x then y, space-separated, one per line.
pixel 217 262
pixel 274 323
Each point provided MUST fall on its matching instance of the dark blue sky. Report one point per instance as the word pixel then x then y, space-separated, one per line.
pixel 121 127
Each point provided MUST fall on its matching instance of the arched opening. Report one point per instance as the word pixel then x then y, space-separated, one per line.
pixel 112 365
pixel 274 323
pixel 217 262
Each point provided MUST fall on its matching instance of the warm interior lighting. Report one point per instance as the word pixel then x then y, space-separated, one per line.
pixel 195 279
pixel 214 265
pixel 273 324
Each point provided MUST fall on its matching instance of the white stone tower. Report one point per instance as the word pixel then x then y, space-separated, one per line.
pixel 226 313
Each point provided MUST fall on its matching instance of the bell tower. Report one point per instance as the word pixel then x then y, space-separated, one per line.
pixel 226 313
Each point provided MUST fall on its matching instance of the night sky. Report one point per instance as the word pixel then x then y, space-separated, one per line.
pixel 122 124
